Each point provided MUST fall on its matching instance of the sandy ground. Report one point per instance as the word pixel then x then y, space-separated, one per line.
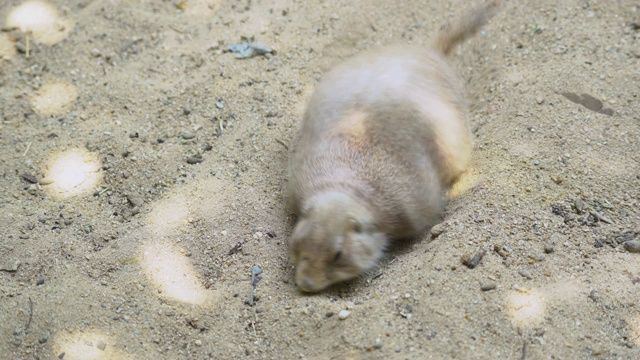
pixel 130 247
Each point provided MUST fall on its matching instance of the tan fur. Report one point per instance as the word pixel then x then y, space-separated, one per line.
pixel 383 138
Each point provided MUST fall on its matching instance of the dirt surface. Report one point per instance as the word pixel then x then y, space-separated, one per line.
pixel 162 157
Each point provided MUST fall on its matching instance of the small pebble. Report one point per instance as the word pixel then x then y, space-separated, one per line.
pixel 377 344
pixel 95 52
pixel 46 181
pixel 632 246
pixel 193 160
pixel 488 286
pixel 101 345
pixel 198 342
pixel 343 314
pixel 525 274
pixel 135 200
pixel 30 178
pixel 472 262
pixel 548 248
pixel 539 100
pixel 43 339
pixel 437 230
pixel 40 280
pixel 11 268
pixel 187 135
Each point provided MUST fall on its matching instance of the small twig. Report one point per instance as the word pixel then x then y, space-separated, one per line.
pixel 282 143
pixel 601 217
pixel 177 30
pixel 27 149
pixel 524 350
pixel 26 328
pixel 27 50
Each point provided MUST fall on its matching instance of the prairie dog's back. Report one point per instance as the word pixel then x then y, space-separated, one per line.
pixel 383 137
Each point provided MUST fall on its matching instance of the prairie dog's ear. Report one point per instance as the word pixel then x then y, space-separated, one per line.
pixel 305 210
pixel 300 231
pixel 356 225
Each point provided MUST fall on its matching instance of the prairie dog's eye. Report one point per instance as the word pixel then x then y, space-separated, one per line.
pixel 337 256
pixel 356 225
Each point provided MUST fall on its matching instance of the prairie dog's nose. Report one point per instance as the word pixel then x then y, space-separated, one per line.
pixel 306 284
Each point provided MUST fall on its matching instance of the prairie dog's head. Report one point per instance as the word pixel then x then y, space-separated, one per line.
pixel 335 239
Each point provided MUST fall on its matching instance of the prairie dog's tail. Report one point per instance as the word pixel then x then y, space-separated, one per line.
pixel 464 26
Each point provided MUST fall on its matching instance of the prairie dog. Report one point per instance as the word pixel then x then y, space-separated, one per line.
pixel 382 139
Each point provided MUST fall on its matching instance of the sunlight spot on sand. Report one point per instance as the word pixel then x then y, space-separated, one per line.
pixel 172 273
pixel 54 98
pixel 86 345
pixel 164 262
pixel 72 172
pixel 526 308
pixel 41 20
